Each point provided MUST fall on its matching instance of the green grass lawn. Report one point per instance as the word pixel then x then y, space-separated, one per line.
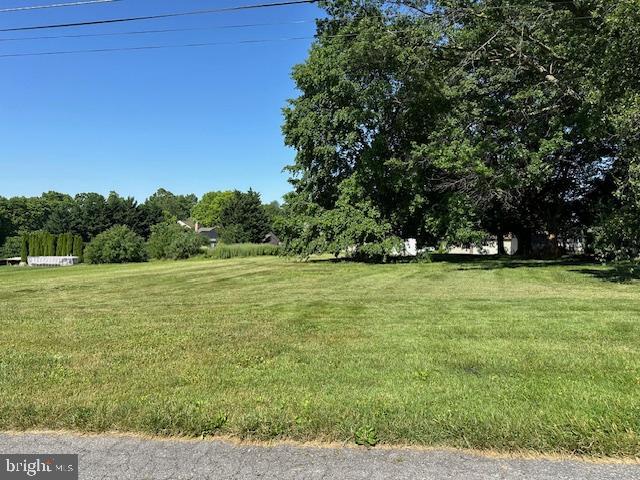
pixel 484 354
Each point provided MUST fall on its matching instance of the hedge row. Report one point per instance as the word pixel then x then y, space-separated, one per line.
pixel 223 251
pixel 37 244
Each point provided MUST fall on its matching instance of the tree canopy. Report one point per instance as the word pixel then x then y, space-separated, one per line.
pixel 453 120
pixel 207 211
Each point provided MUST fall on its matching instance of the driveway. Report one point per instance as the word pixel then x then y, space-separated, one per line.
pixel 122 457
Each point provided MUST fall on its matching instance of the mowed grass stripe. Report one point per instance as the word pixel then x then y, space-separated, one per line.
pixel 485 354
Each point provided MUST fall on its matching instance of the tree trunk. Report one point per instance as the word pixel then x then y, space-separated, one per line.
pixel 501 250
pixel 524 243
pixel 553 246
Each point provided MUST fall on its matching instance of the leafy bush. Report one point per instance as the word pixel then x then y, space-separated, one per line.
pixel 355 227
pixel 366 436
pixel 170 240
pixel 223 251
pixel 11 247
pixel 423 257
pixel 119 244
pixel 616 235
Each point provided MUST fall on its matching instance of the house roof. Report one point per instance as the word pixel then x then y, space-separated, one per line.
pixel 189 222
pixel 271 238
pixel 208 232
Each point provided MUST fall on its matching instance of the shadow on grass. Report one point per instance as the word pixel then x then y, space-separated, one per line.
pixel 470 262
pixel 624 273
pixel 615 273
pixel 479 262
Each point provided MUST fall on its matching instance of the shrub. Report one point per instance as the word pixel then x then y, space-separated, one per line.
pixel 616 235
pixel 12 247
pixel 170 240
pixel 423 257
pixel 119 244
pixel 223 251
pixel 366 436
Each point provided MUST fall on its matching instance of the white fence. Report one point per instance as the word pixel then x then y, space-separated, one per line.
pixel 52 261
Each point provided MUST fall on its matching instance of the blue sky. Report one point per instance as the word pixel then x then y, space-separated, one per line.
pixel 190 120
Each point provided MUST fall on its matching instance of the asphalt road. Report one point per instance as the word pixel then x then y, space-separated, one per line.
pixel 122 458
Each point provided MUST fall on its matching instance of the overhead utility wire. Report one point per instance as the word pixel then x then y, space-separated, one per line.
pixel 163 15
pixel 56 5
pixel 158 47
pixel 159 30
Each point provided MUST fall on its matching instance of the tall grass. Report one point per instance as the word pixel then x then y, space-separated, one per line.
pixel 222 251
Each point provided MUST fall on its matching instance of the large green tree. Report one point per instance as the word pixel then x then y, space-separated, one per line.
pixel 456 119
pixel 171 205
pixel 243 219
pixel 207 211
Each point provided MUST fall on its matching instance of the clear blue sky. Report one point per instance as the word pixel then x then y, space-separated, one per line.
pixel 187 119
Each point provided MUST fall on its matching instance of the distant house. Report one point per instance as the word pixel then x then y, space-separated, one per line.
pixel 490 247
pixel 188 223
pixel 271 238
pixel 210 233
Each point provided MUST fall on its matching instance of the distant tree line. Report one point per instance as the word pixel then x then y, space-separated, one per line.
pixel 53 221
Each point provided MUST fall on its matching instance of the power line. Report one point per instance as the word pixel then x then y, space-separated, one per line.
pixel 56 5
pixel 158 47
pixel 159 30
pixel 155 17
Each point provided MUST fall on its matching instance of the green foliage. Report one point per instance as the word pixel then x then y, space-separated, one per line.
pixel 65 244
pixel 47 244
pixel 12 247
pixel 231 234
pixel 170 240
pixel 423 257
pixel 243 219
pixel 366 436
pixel 275 215
pixel 78 247
pixel 24 247
pixel 467 122
pixel 224 251
pixel 207 211
pixel 354 228
pixel 86 214
pixel 119 244
pixel 616 236
pixel 171 205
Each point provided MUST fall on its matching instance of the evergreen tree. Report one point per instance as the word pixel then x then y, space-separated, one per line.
pixel 24 248
pixel 78 246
